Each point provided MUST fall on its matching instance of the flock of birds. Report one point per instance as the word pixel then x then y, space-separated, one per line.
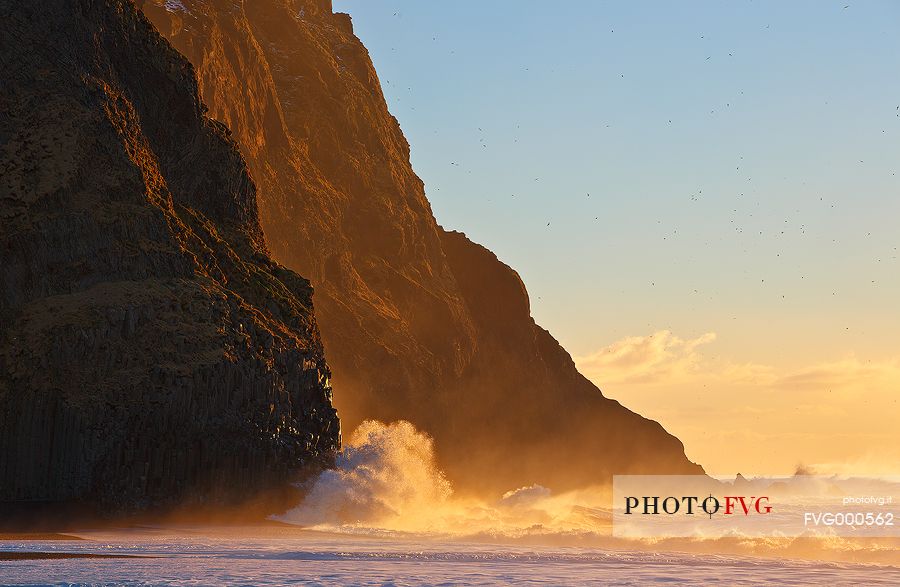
pixel 696 197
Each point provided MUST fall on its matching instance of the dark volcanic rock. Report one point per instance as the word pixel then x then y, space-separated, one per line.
pixel 419 324
pixel 151 352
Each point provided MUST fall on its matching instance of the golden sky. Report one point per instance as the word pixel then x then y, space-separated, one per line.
pixel 833 415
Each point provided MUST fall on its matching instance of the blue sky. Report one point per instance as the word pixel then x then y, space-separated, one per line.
pixel 740 158
pixel 783 119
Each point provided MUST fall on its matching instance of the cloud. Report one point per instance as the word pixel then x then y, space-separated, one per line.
pixel 660 356
pixel 664 358
pixel 841 414
pixel 850 372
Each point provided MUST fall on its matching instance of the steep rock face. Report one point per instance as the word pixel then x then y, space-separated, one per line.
pixel 419 323
pixel 151 352
pixel 338 197
pixel 521 384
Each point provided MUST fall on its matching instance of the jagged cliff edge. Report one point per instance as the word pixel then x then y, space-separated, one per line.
pixel 151 352
pixel 419 323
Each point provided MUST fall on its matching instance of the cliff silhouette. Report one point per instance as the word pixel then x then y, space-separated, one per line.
pixel 419 323
pixel 151 351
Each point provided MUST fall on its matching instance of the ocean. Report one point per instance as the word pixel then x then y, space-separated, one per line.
pixel 387 515
pixel 319 558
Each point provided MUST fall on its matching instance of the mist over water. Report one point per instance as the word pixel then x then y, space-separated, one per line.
pixel 387 479
pixel 388 515
pixel 387 483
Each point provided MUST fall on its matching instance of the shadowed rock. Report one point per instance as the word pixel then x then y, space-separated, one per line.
pixel 420 324
pixel 151 352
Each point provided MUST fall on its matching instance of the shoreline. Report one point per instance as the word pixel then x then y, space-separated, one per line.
pixel 7 556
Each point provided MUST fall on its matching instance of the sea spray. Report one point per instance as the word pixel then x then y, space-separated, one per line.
pixel 387 479
pixel 387 483
pixel 386 476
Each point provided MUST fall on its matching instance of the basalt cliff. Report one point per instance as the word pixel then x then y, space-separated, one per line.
pixel 419 323
pixel 151 351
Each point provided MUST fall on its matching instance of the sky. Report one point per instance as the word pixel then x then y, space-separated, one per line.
pixel 701 198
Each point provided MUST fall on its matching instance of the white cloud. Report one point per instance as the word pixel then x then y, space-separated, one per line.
pixel 660 356
pixel 664 358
